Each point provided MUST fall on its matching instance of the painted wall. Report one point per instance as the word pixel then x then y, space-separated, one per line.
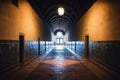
pixel 101 21
pixel 17 18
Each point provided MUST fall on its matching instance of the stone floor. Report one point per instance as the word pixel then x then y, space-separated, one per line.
pixel 60 64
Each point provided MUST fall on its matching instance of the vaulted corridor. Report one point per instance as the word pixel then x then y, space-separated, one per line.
pixel 59 39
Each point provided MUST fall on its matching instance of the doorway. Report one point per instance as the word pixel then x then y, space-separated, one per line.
pixel 21 49
pixel 59 40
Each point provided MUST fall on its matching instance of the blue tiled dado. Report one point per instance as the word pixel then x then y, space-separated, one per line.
pixel 106 52
pixel 9 52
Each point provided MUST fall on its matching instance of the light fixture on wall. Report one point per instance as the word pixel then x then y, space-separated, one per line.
pixel 61 11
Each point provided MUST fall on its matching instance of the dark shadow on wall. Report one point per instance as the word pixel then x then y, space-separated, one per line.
pixel 15 2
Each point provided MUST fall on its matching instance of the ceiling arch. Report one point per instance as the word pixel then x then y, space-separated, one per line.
pixel 74 10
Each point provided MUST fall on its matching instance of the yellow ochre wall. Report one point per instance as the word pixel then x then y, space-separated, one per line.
pixel 21 19
pixel 101 22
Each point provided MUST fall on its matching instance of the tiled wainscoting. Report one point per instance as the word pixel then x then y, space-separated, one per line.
pixel 106 52
pixel 9 53
pixel 30 49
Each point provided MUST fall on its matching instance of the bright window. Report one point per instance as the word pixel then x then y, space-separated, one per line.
pixel 59 34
